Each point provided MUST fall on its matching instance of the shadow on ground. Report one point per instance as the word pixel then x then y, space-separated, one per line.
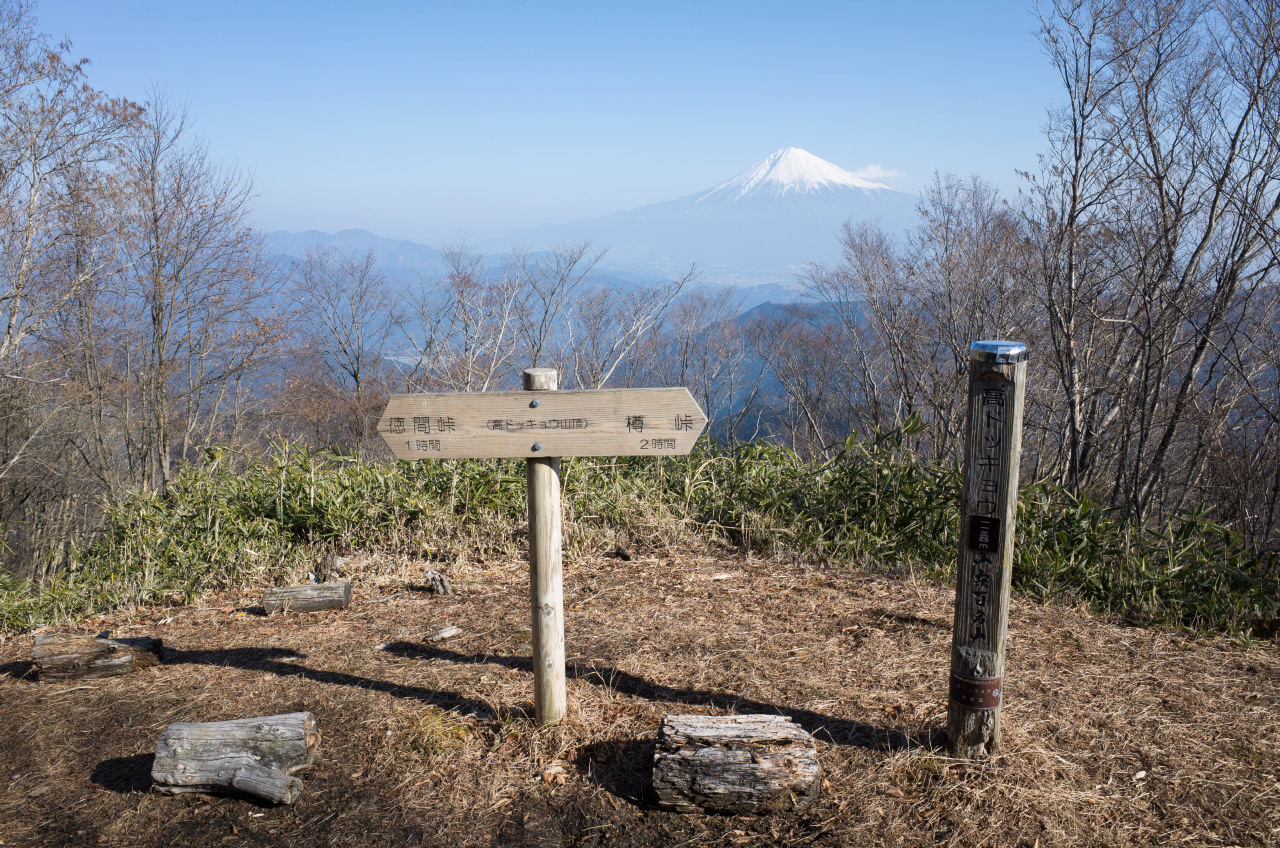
pixel 830 729
pixel 124 774
pixel 279 661
pixel 19 670
pixel 623 767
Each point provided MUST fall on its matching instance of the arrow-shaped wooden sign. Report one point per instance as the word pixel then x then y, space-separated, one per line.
pixel 542 425
pixel 603 422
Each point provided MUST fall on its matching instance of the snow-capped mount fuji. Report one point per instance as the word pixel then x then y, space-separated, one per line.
pixel 790 171
pixel 764 225
pixel 759 228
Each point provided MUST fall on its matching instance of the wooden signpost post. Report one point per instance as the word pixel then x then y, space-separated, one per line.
pixel 993 448
pixel 542 425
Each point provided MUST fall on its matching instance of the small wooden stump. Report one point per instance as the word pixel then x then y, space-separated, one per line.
pixel 434 583
pixel 734 764
pixel 256 756
pixel 319 596
pixel 63 657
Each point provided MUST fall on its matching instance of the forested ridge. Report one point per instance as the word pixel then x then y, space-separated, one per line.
pixel 172 395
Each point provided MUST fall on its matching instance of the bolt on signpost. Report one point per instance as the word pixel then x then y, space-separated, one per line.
pixel 993 447
pixel 541 425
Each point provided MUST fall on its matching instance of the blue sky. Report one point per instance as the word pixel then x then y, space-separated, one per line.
pixel 432 120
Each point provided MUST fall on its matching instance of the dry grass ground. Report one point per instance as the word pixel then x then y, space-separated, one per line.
pixel 1113 736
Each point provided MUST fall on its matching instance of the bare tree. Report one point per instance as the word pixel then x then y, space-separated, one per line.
pixel 197 279
pixel 604 327
pixel 803 357
pixel 549 283
pixel 704 347
pixel 346 321
pixel 906 312
pixel 58 137
pixel 52 126
pixel 462 327
pixel 55 131
pixel 1155 219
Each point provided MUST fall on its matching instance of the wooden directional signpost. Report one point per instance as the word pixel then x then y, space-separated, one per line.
pixel 542 425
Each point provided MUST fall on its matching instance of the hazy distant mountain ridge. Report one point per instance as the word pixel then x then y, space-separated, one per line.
pixel 757 230
pixel 397 257
pixel 763 225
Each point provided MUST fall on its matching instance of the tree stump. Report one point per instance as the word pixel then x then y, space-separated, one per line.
pixel 320 596
pixel 435 583
pixel 256 756
pixel 734 764
pixel 63 657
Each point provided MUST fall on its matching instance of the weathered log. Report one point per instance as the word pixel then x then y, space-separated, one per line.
pixel 445 633
pixel 734 764
pixel 62 657
pixel 271 784
pixel 320 596
pixel 252 755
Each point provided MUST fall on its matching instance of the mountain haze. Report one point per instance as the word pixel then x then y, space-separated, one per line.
pixel 761 226
pixel 756 230
pixel 396 257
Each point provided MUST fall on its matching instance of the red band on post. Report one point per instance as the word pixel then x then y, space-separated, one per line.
pixel 981 693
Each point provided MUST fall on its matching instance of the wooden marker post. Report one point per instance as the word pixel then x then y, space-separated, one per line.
pixel 993 448
pixel 546 581
pixel 541 425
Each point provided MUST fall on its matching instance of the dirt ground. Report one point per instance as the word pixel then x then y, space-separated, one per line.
pixel 1112 735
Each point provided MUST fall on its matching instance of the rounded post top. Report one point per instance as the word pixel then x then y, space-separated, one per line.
pixel 540 379
pixel 1000 352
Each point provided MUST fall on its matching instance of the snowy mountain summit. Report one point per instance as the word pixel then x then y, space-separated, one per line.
pixel 762 226
pixel 790 171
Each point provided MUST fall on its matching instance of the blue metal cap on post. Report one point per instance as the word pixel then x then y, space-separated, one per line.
pixel 999 352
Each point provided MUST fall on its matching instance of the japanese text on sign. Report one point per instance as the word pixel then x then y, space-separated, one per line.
pixel 423 445
pixel 657 444
pixel 603 422
pixel 514 425
pixel 985 525
pixel 423 424
pixel 981 589
pixel 991 415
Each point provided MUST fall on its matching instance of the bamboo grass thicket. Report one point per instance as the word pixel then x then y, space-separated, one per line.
pixel 237 521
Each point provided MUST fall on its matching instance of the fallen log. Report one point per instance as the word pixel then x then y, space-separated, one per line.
pixel 445 633
pixel 270 784
pixel 62 657
pixel 319 596
pixel 257 756
pixel 734 764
